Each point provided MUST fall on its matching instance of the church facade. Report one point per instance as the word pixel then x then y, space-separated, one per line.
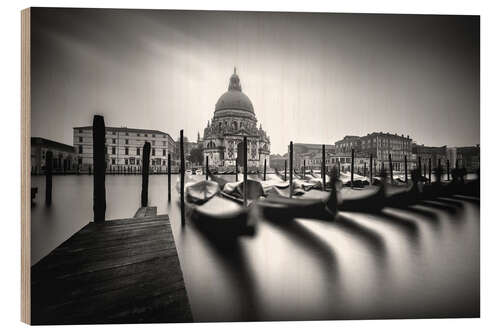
pixel 234 118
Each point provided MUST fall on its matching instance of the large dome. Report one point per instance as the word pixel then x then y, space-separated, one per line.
pixel 234 99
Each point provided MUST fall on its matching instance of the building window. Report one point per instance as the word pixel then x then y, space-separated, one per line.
pixel 164 143
pixel 80 139
pixel 80 149
pixel 138 151
pixel 79 161
pixel 126 162
pixel 79 131
pixel 146 135
pixel 113 161
pixel 113 150
pixel 113 133
pixel 163 162
pixel 114 141
pixel 126 141
pixel 126 133
pixel 153 152
pixel 164 152
pixel 126 150
pixel 138 134
pixel 164 136
pixel 154 142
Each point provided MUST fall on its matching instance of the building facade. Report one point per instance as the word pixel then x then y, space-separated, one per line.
pixel 380 145
pixel 234 118
pixel 469 158
pixel 64 158
pixel 435 154
pixel 124 148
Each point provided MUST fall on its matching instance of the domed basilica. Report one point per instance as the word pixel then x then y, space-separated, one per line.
pixel 233 119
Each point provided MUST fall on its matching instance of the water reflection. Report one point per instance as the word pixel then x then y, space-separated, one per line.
pixel 421 261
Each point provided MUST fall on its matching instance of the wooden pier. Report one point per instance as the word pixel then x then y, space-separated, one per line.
pixel 118 271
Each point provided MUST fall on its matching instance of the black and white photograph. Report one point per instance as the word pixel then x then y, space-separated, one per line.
pixel 240 166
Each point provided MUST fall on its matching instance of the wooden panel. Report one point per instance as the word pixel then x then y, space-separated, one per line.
pixel 121 271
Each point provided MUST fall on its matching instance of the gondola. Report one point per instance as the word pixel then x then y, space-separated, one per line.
pixel 214 215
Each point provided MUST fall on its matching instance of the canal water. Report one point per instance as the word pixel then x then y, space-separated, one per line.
pixel 414 263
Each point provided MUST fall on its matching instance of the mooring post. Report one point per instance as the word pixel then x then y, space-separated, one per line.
pixel 420 166
pixel 169 171
pixel 291 169
pixel 438 173
pixel 425 169
pixel 206 167
pixel 352 168
pixel 390 167
pixel 145 174
pixel 406 170
pixel 245 170
pixel 323 171
pixel 448 169
pixel 371 169
pixel 182 170
pixel 48 178
pixel 265 168
pixel 285 168
pixel 304 171
pixel 430 171
pixel 99 154
pixel 236 167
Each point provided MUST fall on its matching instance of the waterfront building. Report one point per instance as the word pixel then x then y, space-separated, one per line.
pixel 64 158
pixel 435 154
pixel 234 118
pixel 380 145
pixel 124 148
pixel 469 157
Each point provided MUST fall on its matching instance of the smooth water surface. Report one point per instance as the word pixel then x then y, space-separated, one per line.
pixel 422 262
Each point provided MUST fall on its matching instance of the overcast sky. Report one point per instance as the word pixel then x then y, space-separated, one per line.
pixel 311 77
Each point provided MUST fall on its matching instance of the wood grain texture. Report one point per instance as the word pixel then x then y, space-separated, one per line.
pixel 120 271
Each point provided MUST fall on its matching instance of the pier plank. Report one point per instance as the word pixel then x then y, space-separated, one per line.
pixel 120 271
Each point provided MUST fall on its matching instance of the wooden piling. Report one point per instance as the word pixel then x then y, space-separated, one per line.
pixel 304 170
pixel 182 170
pixel 406 170
pixel 236 167
pixel 323 171
pixel 48 178
pixel 371 169
pixel 265 168
pixel 245 170
pixel 169 171
pixel 285 168
pixel 448 169
pixel 420 166
pixel 390 167
pixel 99 154
pixel 352 168
pixel 206 167
pixel 145 174
pixel 291 169
pixel 430 170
